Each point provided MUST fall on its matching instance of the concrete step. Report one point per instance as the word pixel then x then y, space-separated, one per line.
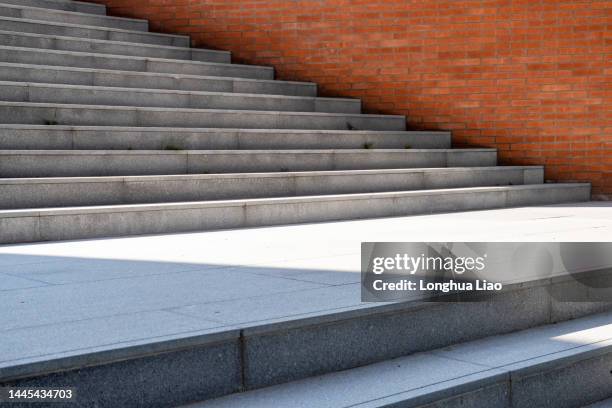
pixel 46 41
pixel 92 115
pixel 37 137
pixel 88 191
pixel 72 59
pixel 111 96
pixel 136 219
pixel 565 365
pixel 60 16
pixel 65 5
pixel 21 25
pixel 149 80
pixel 247 328
pixel 87 163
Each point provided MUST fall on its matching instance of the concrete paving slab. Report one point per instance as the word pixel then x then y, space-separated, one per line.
pixel 266 308
pixel 74 270
pixel 36 306
pixel 47 340
pixel 8 282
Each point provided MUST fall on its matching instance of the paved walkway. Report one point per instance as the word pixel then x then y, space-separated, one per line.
pixel 69 298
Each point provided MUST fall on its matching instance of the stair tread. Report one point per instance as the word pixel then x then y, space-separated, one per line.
pixel 243 152
pixel 129 57
pixel 171 91
pixel 152 74
pixel 282 200
pixel 72 13
pixel 231 130
pixel 113 42
pixel 177 177
pixel 50 192
pixel 18 72
pixel 431 376
pixel 100 8
pixel 237 111
pixel 90 27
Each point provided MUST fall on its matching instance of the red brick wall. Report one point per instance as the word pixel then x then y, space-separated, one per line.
pixel 530 77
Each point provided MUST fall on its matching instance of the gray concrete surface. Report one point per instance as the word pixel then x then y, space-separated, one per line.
pixel 81 191
pixel 471 368
pixel 46 41
pixel 95 115
pixel 65 5
pixel 574 374
pixel 85 163
pixel 113 96
pixel 24 55
pixel 85 31
pixel 150 80
pixel 41 137
pixel 104 221
pixel 71 17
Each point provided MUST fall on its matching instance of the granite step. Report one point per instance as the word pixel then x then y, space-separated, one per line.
pixel 66 223
pixel 71 17
pixel 88 191
pixel 41 137
pixel 23 25
pixel 93 115
pixel 557 366
pixel 88 163
pixel 112 96
pixel 35 56
pixel 150 80
pixel 58 43
pixel 64 5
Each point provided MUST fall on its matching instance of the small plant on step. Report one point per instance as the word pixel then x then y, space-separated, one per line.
pixel 368 145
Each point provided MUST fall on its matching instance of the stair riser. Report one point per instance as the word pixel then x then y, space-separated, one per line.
pixel 42 27
pixel 40 93
pixel 136 50
pixel 72 18
pixel 90 77
pixel 75 6
pixel 576 383
pixel 128 116
pixel 48 138
pixel 337 344
pixel 41 57
pixel 78 224
pixel 163 190
pixel 565 384
pixel 117 164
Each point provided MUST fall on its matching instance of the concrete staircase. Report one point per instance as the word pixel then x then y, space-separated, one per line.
pixel 107 129
pixel 555 366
